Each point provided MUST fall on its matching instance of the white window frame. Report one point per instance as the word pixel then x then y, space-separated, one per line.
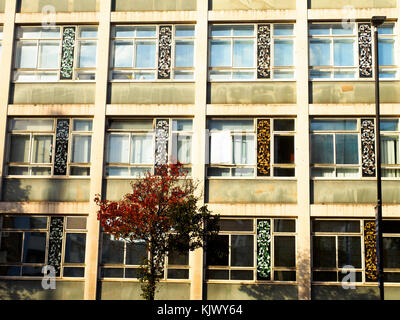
pixel 254 37
pixel 133 70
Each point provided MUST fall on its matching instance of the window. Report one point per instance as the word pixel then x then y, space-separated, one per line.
pixel 28 243
pixel 335 150
pixel 138 56
pixel 338 244
pixel 131 149
pixel 233 52
pixel 334 51
pixel 1 40
pixel 390 148
pixel 238 148
pixel 53 54
pixel 42 147
pixel 122 259
pixel 253 249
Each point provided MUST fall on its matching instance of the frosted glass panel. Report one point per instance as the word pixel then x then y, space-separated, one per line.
pixel 42 149
pixel 81 147
pixel 26 55
pixel 243 150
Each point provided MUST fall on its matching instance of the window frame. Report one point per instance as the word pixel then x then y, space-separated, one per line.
pixel 360 234
pixel 75 70
pixel 53 133
pixel 253 132
pixel 357 77
pixel 254 37
pixel 143 132
pixel 253 233
pixel 133 69
pixel 46 230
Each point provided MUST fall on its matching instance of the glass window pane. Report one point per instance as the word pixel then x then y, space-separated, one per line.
pixel 391 252
pixel 243 75
pixel 184 53
pixel 333 125
pixel 221 31
pixel 247 125
pixel 75 247
pixel 19 148
pixel 386 28
pixel 236 225
pixel 345 28
pixel 76 223
pixel 124 31
pixel 50 33
pixel 29 32
pixel 217 274
pixel 323 172
pixel 243 53
pixel 319 74
pixel 390 149
pixel 242 251
pixel 386 52
pixel 32 124
pixel 183 152
pixel 178 274
pixel 88 32
pixel 42 147
pixel 74 272
pixel 343 53
pixel 26 55
pixel 284 225
pixel 34 247
pixel 349 252
pixel 243 150
pixel 112 272
pixel 283 53
pixel 220 53
pixel 320 52
pixel 283 29
pixel 118 148
pixel 391 226
pixel 82 125
pixel 284 125
pixel 24 223
pixel 245 30
pixel 184 31
pixel 283 149
pixel 336 226
pixel 41 171
pixel 10 247
pixel 182 125
pixel 347 149
pixel 130 124
pixel 87 55
pixel 218 251
pixel 284 251
pixel 142 149
pixel 242 172
pixel 218 172
pixel 319 29
pixel 177 258
pixel 146 32
pixel 118 171
pixel 324 252
pixel 322 148
pixel 325 276
pixel 123 54
pixel 145 54
pixel 112 250
pixel 81 147
pixel 49 52
pixel 389 125
pixel 242 274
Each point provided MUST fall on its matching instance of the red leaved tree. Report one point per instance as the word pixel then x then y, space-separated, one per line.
pixel 161 210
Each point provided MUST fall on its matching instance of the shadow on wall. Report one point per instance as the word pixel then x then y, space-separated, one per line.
pixel 12 190
pixel 11 291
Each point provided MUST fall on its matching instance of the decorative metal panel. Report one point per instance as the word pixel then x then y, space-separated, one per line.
pixel 365 50
pixel 264 51
pixel 263 249
pixel 61 153
pixel 368 147
pixel 263 147
pixel 162 134
pixel 164 52
pixel 67 55
pixel 371 260
pixel 55 243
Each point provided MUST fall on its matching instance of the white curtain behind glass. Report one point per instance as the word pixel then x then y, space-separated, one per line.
pixel 221 147
pixel 142 149
pixel 81 146
pixel 389 147
pixel 181 148
pixel 118 149
pixel 243 150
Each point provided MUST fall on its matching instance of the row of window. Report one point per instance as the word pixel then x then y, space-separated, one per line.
pixel 246 250
pixel 236 52
pixel 261 147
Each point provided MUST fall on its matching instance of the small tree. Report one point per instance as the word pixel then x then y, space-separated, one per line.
pixel 161 210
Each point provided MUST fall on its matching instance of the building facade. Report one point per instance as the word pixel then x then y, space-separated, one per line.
pixel 269 104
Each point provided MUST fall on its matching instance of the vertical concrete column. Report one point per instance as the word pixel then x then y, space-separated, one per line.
pixel 303 256
pixel 199 138
pixel 97 155
pixel 6 71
